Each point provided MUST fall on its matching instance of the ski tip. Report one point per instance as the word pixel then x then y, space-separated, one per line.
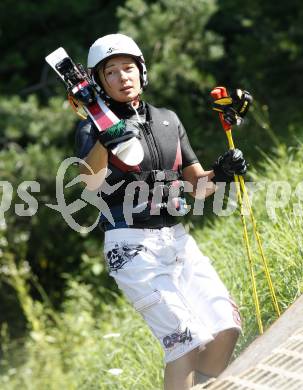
pixel 56 56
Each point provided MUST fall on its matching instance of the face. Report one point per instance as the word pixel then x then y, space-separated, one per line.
pixel 120 78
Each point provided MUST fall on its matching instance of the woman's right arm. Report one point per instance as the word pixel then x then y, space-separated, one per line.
pixel 93 153
pixel 97 159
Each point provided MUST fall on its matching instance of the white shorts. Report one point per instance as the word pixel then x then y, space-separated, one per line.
pixel 172 284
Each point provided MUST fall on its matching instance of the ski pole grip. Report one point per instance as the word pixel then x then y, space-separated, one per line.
pixel 218 93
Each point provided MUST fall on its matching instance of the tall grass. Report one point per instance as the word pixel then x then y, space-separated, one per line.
pixel 81 349
pixel 282 242
pixel 94 345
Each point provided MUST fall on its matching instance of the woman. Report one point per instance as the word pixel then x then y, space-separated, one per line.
pixel 156 264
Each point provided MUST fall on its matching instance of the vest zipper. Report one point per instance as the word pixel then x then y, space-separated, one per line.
pixel 155 157
pixel 151 144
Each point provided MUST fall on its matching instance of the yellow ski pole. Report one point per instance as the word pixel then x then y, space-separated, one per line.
pixel 240 180
pixel 258 239
pixel 220 93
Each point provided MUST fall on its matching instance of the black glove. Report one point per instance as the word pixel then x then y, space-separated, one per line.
pixel 234 107
pixel 230 164
pixel 117 134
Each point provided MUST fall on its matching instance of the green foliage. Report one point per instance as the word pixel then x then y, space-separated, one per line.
pixel 42 27
pixel 81 348
pixel 263 50
pixel 35 140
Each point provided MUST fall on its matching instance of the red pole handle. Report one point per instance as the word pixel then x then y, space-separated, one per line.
pixel 218 93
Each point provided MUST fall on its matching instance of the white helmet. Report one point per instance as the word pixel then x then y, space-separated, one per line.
pixel 114 44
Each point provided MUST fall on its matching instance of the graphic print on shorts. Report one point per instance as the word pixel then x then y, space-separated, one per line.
pixel 121 254
pixel 169 341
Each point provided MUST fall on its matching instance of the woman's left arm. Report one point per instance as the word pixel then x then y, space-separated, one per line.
pixel 200 180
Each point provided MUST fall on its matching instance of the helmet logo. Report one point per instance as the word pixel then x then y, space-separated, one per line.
pixel 110 50
pixel 165 123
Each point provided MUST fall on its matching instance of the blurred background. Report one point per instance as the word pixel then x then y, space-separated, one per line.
pixel 56 301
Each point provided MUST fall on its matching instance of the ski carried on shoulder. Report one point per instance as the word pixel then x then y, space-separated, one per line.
pixel 84 90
